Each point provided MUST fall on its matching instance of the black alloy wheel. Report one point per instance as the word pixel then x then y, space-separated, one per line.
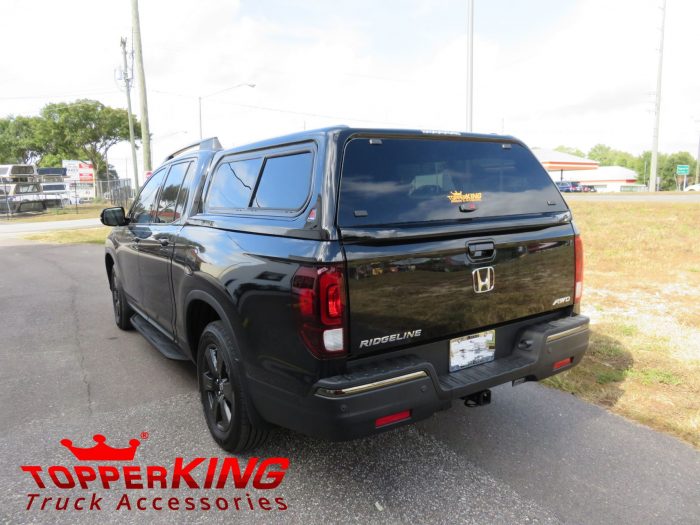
pixel 122 310
pixel 216 385
pixel 231 417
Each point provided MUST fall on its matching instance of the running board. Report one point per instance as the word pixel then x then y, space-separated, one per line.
pixel 157 339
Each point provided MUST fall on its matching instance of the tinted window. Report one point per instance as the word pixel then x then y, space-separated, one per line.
pixel 27 188
pixel 284 183
pixel 170 192
pixel 418 180
pixel 233 184
pixel 54 187
pixel 143 209
pixel 22 170
pixel 182 197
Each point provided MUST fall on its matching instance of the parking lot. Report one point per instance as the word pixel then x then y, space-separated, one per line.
pixel 534 455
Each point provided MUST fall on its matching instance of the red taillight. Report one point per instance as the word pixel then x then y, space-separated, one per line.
pixel 392 418
pixel 331 297
pixel 320 300
pixel 563 363
pixel 578 272
pixel 306 302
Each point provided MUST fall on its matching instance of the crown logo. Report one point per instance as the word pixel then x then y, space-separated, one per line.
pixel 102 452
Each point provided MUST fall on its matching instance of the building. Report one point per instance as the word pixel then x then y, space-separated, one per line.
pixel 567 167
pixel 611 178
pixel 556 162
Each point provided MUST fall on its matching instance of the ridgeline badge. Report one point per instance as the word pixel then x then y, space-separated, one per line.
pixel 457 197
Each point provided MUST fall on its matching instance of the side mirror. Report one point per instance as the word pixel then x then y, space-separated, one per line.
pixel 113 217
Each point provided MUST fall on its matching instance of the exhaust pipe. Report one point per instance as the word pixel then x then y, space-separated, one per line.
pixel 478 399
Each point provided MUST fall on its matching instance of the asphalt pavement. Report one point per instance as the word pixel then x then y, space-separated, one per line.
pixel 534 455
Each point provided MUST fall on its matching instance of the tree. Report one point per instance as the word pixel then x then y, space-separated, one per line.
pixel 18 140
pixel 85 130
pixel 667 168
pixel 643 166
pixel 601 153
pixel 571 151
pixel 608 156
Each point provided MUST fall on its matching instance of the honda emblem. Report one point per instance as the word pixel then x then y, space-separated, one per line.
pixel 484 279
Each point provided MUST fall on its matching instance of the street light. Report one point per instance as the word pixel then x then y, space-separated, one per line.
pixel 244 84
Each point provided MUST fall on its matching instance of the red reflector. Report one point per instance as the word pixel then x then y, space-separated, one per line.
pixel 335 307
pixel 393 418
pixel 578 272
pixel 306 302
pixel 563 363
pixel 331 291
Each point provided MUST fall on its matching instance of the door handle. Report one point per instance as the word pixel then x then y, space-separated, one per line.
pixel 481 250
pixel 163 241
pixel 137 240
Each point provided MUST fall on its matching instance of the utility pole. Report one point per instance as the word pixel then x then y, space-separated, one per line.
pixel 127 85
pixel 657 110
pixel 141 78
pixel 470 63
pixel 697 164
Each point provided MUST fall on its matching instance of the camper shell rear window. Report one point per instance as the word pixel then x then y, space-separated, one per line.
pixel 417 180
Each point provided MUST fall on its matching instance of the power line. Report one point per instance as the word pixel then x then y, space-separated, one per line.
pixel 346 74
pixel 319 115
pixel 289 111
pixel 66 95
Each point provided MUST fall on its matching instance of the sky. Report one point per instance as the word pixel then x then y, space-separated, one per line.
pixel 550 72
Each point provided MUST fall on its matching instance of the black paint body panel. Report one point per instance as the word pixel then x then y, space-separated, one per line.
pixel 401 279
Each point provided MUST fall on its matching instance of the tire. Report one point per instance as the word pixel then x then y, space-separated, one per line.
pixel 232 420
pixel 122 310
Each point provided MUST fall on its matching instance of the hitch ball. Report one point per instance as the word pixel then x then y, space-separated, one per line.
pixel 478 399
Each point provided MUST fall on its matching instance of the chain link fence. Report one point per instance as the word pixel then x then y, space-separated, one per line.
pixel 35 197
pixel 117 192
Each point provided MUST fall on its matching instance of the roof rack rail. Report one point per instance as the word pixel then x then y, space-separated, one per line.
pixel 211 143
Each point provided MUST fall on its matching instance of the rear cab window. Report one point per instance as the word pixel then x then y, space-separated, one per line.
pixel 284 183
pixel 418 180
pixel 273 182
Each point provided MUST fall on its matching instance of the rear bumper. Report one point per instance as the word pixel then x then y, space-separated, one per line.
pixel 347 406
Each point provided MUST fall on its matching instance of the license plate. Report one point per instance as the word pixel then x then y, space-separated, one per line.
pixel 472 350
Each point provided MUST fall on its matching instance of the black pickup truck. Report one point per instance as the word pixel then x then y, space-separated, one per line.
pixel 342 282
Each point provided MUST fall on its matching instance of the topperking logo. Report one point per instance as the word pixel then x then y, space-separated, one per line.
pixel 107 473
pixel 456 197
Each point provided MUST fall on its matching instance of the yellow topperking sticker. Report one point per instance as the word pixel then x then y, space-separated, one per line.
pixel 457 197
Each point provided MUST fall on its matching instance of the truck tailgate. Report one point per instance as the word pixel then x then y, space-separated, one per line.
pixel 440 289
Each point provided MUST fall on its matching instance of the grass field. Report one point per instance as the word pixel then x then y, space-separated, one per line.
pixel 642 292
pixel 85 235
pixel 85 211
